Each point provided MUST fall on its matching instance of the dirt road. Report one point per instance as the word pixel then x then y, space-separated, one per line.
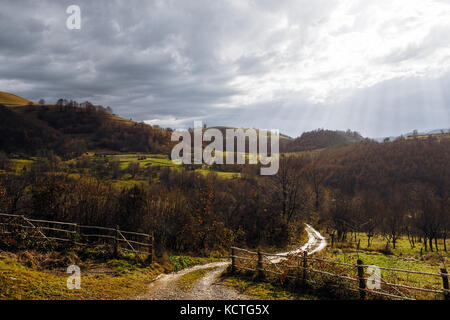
pixel 209 287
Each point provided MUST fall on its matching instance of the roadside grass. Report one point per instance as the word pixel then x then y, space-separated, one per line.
pixel 182 262
pixel 187 281
pixel 263 290
pixel 36 276
pixel 19 282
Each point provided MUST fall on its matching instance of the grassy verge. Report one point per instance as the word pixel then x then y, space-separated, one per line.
pixel 98 281
pixel 187 281
pixel 37 276
pixel 182 262
pixel 263 290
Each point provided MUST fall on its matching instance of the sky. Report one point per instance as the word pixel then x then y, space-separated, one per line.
pixel 379 67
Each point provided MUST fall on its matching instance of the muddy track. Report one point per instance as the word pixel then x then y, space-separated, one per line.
pixel 166 286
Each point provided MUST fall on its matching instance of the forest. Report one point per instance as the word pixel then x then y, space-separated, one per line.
pixel 392 189
pixel 70 129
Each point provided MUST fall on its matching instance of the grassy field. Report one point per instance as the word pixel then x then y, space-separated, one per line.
pixel 402 257
pixel 156 161
pixel 19 164
pixel 144 160
pixel 402 246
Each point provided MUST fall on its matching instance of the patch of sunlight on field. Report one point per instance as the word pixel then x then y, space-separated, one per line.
pixel 19 164
pixel 402 257
pixel 9 99
pixel 227 175
pixel 402 247
pixel 144 160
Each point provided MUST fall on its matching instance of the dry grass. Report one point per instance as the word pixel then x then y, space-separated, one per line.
pixel 31 275
pixel 9 99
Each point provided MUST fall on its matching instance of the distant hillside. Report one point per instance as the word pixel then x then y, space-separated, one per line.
pixel 19 134
pixel 10 100
pixel 70 129
pixel 284 139
pixel 321 139
pixel 437 133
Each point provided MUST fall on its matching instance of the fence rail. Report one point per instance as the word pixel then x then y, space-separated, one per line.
pixel 306 269
pixel 47 230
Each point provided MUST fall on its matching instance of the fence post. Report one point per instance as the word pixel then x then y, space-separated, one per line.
pixel 305 265
pixel 116 242
pixel 445 283
pixel 362 282
pixel 233 260
pixel 74 235
pixel 150 249
pixel 259 267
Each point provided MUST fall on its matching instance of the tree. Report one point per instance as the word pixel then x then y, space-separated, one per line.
pixel 288 189
pixel 5 163
pixel 427 215
pixel 133 169
pixel 315 175
pixel 393 218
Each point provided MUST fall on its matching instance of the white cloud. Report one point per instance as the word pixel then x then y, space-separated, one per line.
pixel 358 44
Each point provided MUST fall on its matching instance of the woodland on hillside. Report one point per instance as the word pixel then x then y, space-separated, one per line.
pixel 390 189
pixel 70 129
pixel 321 139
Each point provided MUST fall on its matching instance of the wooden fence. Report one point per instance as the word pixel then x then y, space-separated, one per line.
pixel 303 269
pixel 45 230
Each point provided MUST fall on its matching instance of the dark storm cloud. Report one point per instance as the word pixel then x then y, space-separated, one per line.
pixel 155 54
pixel 269 64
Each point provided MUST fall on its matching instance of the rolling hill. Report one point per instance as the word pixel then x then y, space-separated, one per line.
pixel 11 100
pixel 72 129
pixel 321 139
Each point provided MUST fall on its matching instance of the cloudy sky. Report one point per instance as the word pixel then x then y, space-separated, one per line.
pixel 381 67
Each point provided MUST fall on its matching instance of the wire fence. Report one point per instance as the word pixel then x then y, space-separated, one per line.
pixel 365 281
pixel 76 234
